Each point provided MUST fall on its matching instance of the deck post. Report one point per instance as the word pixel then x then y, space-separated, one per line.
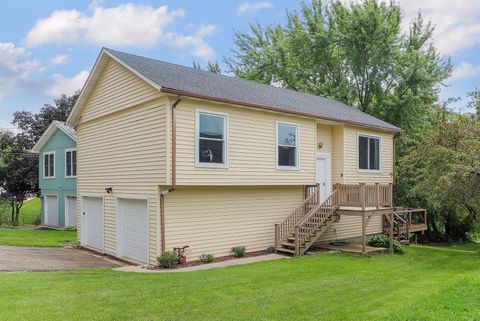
pixel 277 233
pixel 391 233
pixel 377 195
pixel 364 234
pixel 318 194
pixel 391 194
pixel 362 195
pixel 297 240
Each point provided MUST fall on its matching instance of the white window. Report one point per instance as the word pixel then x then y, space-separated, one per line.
pixel 49 165
pixel 287 146
pixel 211 141
pixel 368 153
pixel 70 163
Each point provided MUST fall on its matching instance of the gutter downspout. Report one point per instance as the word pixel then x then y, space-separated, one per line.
pixel 174 172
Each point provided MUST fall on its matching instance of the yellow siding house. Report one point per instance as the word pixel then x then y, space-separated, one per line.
pixel 170 156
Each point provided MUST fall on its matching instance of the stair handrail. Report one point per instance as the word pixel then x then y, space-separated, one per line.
pixel 315 218
pixel 288 224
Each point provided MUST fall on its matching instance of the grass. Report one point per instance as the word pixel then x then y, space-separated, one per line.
pixel 427 283
pixel 29 212
pixel 27 236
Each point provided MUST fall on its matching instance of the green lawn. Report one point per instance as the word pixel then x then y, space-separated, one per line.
pixel 427 283
pixel 30 210
pixel 24 236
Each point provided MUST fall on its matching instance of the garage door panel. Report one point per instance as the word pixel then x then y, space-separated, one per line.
pixel 133 229
pixel 51 210
pixel 71 210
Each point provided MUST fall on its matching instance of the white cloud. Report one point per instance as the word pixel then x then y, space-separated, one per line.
pixel 206 30
pixel 59 59
pixel 457 24
pixel 63 85
pixel 16 66
pixel 465 70
pixel 253 7
pixel 125 25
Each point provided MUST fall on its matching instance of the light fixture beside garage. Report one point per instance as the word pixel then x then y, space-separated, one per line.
pixel 109 190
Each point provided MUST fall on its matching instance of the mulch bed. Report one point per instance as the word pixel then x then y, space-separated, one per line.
pixel 216 260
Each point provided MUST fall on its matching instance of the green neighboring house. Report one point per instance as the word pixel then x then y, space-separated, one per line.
pixel 57 174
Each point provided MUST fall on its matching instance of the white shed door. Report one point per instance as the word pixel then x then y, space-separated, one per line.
pixel 132 229
pixel 92 222
pixel 70 211
pixel 50 204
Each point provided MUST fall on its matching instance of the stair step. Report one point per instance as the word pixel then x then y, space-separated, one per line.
pixel 286 244
pixel 284 250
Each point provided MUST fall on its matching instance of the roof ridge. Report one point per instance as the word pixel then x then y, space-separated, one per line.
pixel 180 79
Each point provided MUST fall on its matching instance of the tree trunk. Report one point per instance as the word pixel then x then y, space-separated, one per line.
pixel 12 204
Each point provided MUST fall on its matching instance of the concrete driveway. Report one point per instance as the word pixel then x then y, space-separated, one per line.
pixel 17 258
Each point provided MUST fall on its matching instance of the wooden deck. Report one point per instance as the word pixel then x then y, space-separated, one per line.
pixel 351 248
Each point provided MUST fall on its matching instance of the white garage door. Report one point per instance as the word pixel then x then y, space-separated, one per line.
pixel 50 204
pixel 92 222
pixel 132 229
pixel 70 211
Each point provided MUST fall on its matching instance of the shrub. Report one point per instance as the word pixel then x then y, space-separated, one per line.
pixel 70 228
pixel 206 258
pixel 238 251
pixel 381 240
pixel 168 260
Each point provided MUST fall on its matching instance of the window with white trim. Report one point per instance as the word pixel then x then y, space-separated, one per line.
pixel 71 163
pixel 49 165
pixel 211 139
pixel 287 146
pixel 368 153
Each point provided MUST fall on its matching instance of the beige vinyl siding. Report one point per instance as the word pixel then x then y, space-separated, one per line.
pixel 251 148
pixel 126 152
pixel 121 143
pixel 214 219
pixel 352 174
pixel 337 154
pixel 116 89
pixel 351 227
pixel 324 136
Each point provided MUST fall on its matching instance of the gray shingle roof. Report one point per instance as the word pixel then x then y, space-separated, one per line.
pixel 67 129
pixel 224 88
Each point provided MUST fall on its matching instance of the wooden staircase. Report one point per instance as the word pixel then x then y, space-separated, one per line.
pixel 301 229
pixel 400 228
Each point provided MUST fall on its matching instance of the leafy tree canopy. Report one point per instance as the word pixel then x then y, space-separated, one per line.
pixel 353 53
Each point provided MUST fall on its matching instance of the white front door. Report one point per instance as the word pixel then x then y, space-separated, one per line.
pixel 324 175
pixel 50 208
pixel 92 222
pixel 132 229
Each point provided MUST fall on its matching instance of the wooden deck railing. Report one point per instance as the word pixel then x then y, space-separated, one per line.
pixel 364 195
pixel 311 223
pixel 288 224
pixel 415 219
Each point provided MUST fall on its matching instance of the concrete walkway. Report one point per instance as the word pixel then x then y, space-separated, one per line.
pixel 18 259
pixel 233 262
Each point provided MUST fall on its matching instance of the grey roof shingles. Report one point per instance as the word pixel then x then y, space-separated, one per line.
pixel 221 87
pixel 67 129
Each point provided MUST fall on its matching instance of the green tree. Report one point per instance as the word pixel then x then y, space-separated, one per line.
pixel 18 172
pixel 442 173
pixel 474 102
pixel 211 66
pixel 354 53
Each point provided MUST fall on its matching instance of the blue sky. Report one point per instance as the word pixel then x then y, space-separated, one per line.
pixel 48 47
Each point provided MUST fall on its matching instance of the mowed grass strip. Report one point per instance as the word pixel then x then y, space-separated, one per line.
pixel 27 236
pixel 427 283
